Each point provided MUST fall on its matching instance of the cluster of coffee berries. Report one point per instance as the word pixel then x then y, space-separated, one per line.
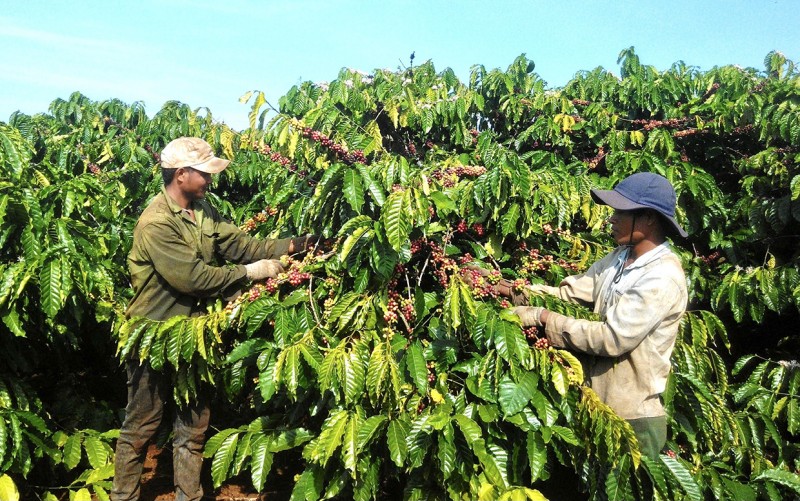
pixel 481 287
pixel 671 123
pixel 348 157
pixel 296 277
pixel 392 306
pixel 689 132
pixel 450 176
pixel 519 284
pixel 255 292
pixel 477 228
pixel 407 310
pixel 253 222
pixel 154 154
pixel 541 343
pixel 593 162
pixel 759 87
pixel 531 333
pixel 411 149
pixel 271 285
pixel 711 91
pixel 712 259
pixel 443 266
pixel 418 245
pixel 94 168
pixel 431 372
pixel 396 305
pixel 534 263
pixel 276 157
pixel 581 102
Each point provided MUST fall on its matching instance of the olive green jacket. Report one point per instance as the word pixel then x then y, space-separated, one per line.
pixel 178 265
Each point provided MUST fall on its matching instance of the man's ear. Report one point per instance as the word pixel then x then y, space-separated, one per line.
pixel 653 217
pixel 179 173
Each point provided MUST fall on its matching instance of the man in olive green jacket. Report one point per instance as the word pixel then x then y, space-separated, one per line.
pixel 179 263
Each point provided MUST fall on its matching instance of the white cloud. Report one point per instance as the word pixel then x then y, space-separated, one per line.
pixel 35 38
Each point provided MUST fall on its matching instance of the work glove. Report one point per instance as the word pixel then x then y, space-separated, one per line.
pixel 503 287
pixel 529 315
pixel 537 289
pixel 264 268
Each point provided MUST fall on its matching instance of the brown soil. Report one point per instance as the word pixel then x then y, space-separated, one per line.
pixel 157 482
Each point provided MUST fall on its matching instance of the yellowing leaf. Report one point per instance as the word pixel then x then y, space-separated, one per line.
pixel 8 490
pixel 558 379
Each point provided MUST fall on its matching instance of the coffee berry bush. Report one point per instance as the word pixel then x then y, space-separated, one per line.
pixel 387 367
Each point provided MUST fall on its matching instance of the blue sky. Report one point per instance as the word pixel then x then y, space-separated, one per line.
pixel 208 53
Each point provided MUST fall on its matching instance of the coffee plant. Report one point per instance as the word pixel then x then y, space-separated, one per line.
pixel 385 368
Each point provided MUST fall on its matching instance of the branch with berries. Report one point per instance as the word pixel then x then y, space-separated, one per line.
pixel 671 123
pixel 260 218
pixel 451 175
pixel 283 161
pixel 340 151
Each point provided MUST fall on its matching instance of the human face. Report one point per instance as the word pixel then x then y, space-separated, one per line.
pixel 624 226
pixel 194 183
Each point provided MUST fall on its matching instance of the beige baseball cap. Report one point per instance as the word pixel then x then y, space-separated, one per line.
pixel 192 152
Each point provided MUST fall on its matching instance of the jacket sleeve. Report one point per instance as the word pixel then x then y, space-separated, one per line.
pixel 181 266
pixel 575 288
pixel 234 245
pixel 636 313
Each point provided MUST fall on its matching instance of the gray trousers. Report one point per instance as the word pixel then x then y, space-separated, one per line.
pixel 147 392
pixel 652 434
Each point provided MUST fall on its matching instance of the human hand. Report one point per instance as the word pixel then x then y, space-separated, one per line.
pixel 264 268
pixel 473 274
pixel 529 315
pixel 302 244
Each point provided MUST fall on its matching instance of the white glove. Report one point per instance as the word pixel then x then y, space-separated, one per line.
pixel 538 288
pixel 265 268
pixel 529 315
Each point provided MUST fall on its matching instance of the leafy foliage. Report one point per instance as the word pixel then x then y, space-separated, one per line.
pixel 384 374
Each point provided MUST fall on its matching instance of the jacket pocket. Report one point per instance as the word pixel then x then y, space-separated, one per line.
pixel 207 245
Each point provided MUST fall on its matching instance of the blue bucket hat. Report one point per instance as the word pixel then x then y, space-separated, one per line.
pixel 643 190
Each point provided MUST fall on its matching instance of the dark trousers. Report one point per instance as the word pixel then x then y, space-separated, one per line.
pixel 651 433
pixel 147 392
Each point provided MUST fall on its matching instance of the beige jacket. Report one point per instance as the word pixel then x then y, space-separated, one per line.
pixel 632 343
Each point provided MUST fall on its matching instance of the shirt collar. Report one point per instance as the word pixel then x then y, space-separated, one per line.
pixel 177 209
pixel 650 255
pixel 173 206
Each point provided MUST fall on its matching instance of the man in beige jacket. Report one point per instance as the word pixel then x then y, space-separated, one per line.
pixel 639 292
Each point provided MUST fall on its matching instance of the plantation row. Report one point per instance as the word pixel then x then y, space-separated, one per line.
pixel 377 370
